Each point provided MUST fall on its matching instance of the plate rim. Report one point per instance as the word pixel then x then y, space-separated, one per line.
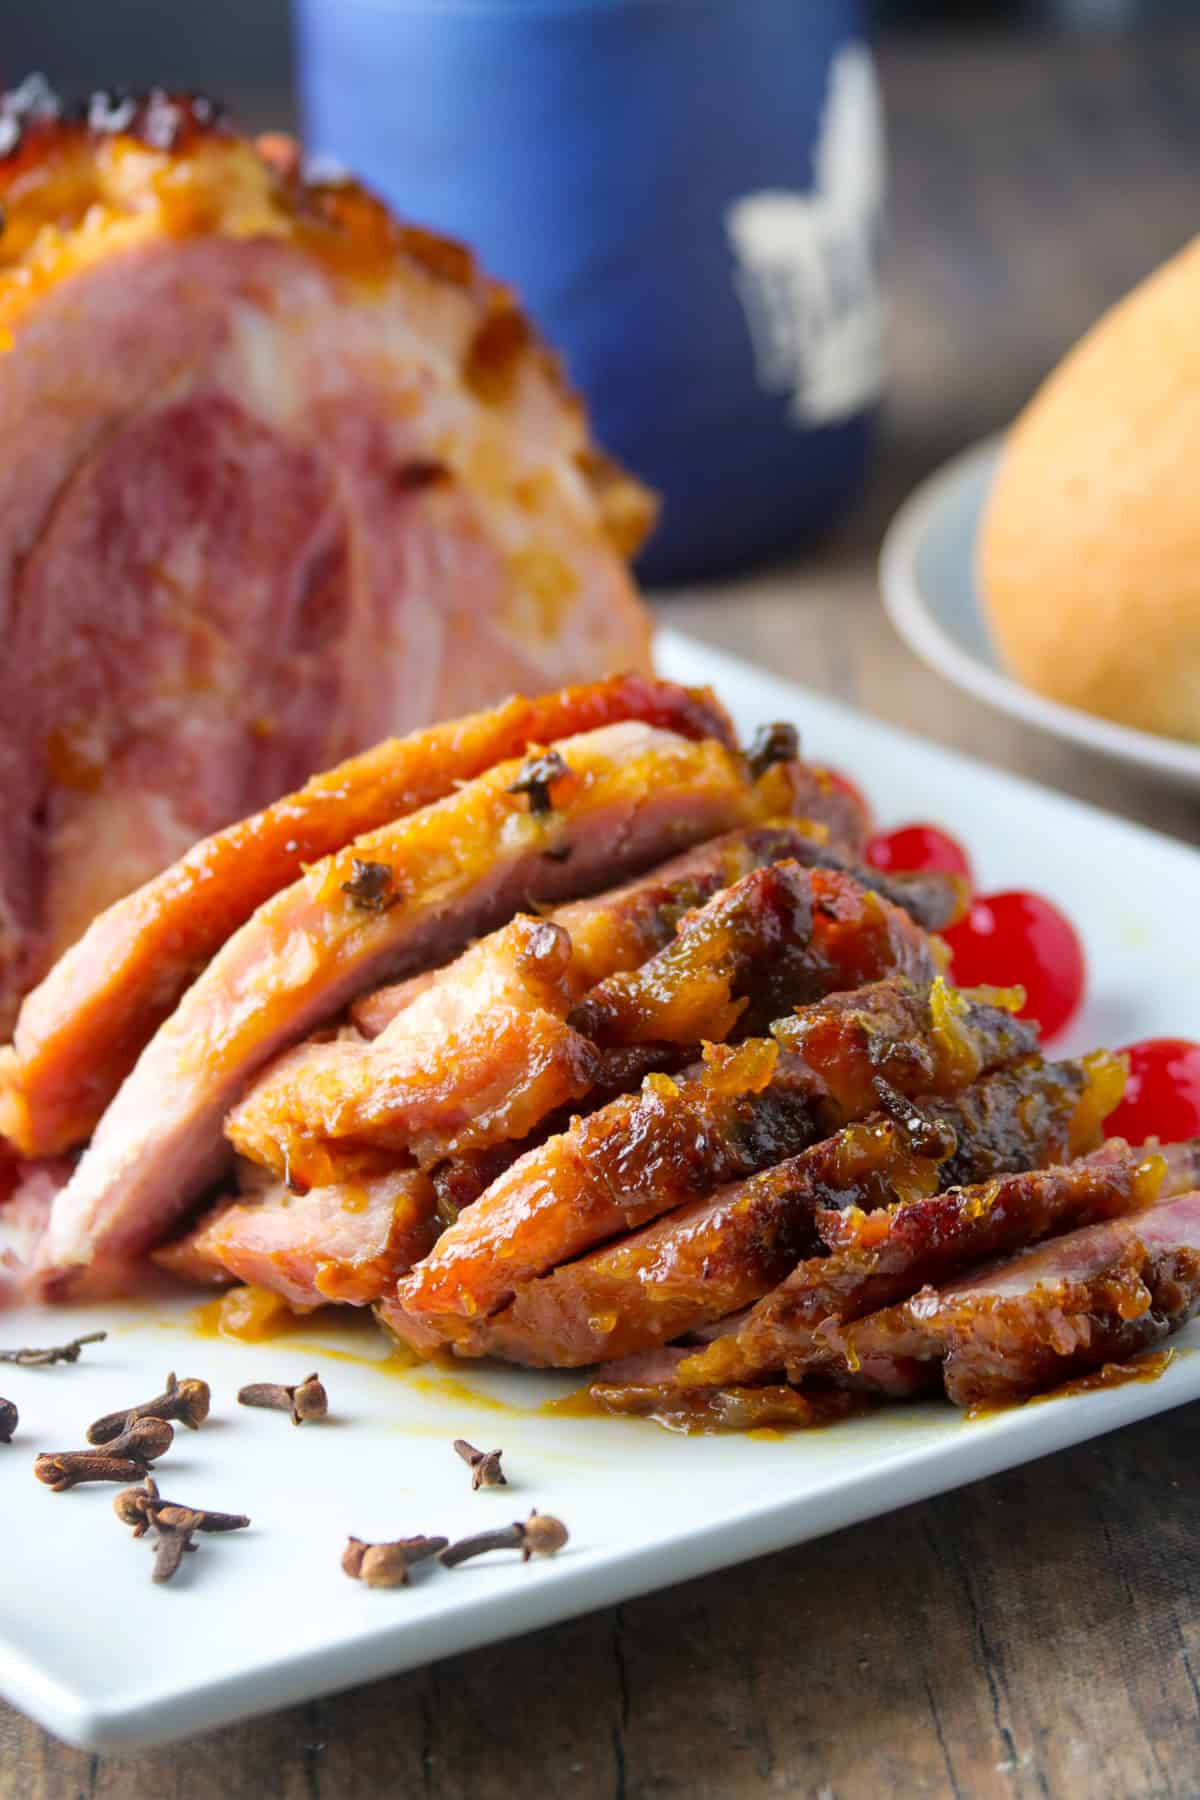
pixel 906 606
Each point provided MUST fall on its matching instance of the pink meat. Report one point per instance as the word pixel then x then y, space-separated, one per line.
pixel 264 510
pixel 633 795
pixel 346 1243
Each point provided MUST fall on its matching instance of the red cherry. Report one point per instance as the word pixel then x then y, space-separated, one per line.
pixel 1018 938
pixel 918 847
pixel 1162 1095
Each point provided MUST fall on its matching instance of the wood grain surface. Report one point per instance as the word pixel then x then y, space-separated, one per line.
pixel 1035 1634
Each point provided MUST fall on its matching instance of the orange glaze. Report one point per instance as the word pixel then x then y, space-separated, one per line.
pixel 775 1409
pixel 72 189
pixel 1109 1375
pixel 252 1315
pixel 578 1404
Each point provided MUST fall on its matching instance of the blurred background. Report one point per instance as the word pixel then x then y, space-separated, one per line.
pixel 229 44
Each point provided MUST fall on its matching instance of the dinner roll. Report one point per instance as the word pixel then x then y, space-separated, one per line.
pixel 1089 557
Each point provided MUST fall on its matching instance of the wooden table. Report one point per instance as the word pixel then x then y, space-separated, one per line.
pixel 1038 1633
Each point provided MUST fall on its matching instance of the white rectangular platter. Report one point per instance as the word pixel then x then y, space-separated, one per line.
pixel 266 1618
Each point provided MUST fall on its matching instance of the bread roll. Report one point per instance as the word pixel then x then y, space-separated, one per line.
pixel 1089 557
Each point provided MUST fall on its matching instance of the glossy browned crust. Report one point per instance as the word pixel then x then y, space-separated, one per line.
pixel 619 929
pixel 783 936
pixel 81 1031
pixel 919 1037
pixel 879 1257
pixel 989 1350
pixel 714 1256
pixel 636 1159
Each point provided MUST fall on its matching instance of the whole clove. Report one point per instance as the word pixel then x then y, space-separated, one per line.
pixel 144 1439
pixel 772 744
pixel 388 1565
pixel 307 1400
pixel 483 1464
pixel 538 1535
pixel 372 886
pixel 170 1545
pixel 121 1459
pixel 187 1402
pixel 9 1420
pixel 536 778
pixel 144 1506
pixel 57 1353
pixel 174 1526
pixel 65 1469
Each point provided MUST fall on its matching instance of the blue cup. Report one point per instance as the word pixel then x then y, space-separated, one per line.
pixel 688 196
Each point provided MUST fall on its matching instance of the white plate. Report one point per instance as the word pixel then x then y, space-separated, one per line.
pixel 266 1618
pixel 926 570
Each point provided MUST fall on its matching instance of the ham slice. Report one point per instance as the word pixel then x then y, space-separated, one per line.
pixel 482 1045
pixel 80 1032
pixel 641 1394
pixel 643 1155
pixel 875 1259
pixel 628 796
pixel 346 1243
pixel 620 1167
pixel 327 1109
pixel 780 937
pixel 712 1257
pixel 292 476
pixel 919 1037
pixel 615 931
pixel 1049 1313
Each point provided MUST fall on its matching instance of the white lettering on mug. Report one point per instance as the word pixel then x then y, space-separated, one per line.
pixel 808 263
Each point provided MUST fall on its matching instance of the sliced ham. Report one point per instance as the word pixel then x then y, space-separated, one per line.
pixel 80 1032
pixel 780 937
pixel 712 1257
pixel 322 1103
pixel 618 930
pixel 472 1062
pixel 876 1258
pixel 645 1390
pixel 292 476
pixel 434 1082
pixel 919 1037
pixel 344 1104
pixel 617 1169
pixel 1049 1313
pixel 643 1155
pixel 406 895
pixel 346 1243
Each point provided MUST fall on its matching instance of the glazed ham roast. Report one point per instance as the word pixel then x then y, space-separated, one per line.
pixel 567 1032
pixel 292 476
pixel 590 1042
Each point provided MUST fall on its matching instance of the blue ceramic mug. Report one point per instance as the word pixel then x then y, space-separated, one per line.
pixel 688 196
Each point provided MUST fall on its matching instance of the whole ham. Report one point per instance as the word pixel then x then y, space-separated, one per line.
pixel 283 476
